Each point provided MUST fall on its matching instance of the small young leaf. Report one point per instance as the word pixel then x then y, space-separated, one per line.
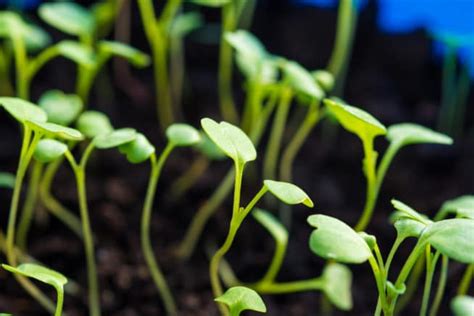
pixel 274 227
pixel 185 23
pixel 230 139
pixel 40 273
pixel 355 120
pixel 183 135
pixel 462 206
pixel 68 17
pixel 7 180
pixel 61 108
pixel 35 38
pixel 301 80
pixel 116 138
pixel 408 227
pixel 211 3
pixel 77 52
pixel 56 131
pixel 138 150
pixel 334 239
pixel 240 298
pixel 133 55
pixel 247 44
pixel 408 133
pixel 324 78
pixel 453 238
pixel 93 123
pixel 337 285
pixel 23 110
pixel 371 240
pixel 462 305
pixel 409 212
pixel 288 193
pixel 49 150
pixel 210 149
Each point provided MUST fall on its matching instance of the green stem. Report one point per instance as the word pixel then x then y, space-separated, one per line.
pixel 430 270
pixel 346 26
pixel 291 287
pixel 226 101
pixel 6 88
pixel 441 286
pixel 21 65
pixel 380 282
pixel 29 205
pixel 176 57
pixel 276 134
pixel 466 280
pixel 39 61
pixel 411 285
pixel 59 303
pixel 52 204
pixel 370 160
pixel 156 274
pixel 398 241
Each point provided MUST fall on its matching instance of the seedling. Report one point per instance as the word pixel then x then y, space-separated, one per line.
pixel 17 31
pixel 237 146
pixel 45 275
pixel 241 298
pixel 140 150
pixel 335 240
pixel 367 128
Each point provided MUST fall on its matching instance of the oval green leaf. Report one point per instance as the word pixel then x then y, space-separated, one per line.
pixel 334 239
pixel 462 305
pixel 337 285
pixel 301 80
pixel 408 227
pixel 453 238
pixel 138 150
pixel 231 140
pixel 7 180
pixel 409 212
pixel 23 110
pixel 355 120
pixel 49 150
pixel 94 123
pixel 77 52
pixel 134 56
pixel 61 108
pixel 68 17
pixel 56 131
pixel 35 38
pixel 40 273
pixel 462 206
pixel 116 138
pixel 408 133
pixel 182 135
pixel 288 193
pixel 241 298
pixel 324 78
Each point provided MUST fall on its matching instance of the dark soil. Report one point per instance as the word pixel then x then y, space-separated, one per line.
pixel 394 77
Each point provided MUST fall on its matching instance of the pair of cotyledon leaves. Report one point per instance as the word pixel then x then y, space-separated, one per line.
pixel 367 127
pixel 333 239
pixel 238 146
pixel 254 60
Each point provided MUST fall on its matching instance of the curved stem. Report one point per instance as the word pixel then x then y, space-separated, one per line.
pixel 157 275
pixel 291 287
pixel 59 303
pixel 430 270
pixel 466 280
pixel 29 205
pixel 21 66
pixel 441 286
pixel 39 61
pixel 411 285
pixel 380 282
pixel 398 241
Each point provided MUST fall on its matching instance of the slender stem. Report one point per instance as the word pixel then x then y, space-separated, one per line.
pixel 466 280
pixel 157 275
pixel 59 303
pixel 370 160
pixel 21 64
pixel 29 205
pixel 431 261
pixel 52 204
pixel 226 101
pixel 39 61
pixel 276 134
pixel 378 256
pixel 6 88
pixel 346 26
pixel 86 77
pixel 441 286
pixel 177 70
pixel 380 282
pixel 291 287
pixel 411 285
pixel 398 241
pixel 385 163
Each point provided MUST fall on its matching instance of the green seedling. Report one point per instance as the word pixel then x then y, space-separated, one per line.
pixel 367 128
pixel 237 146
pixel 462 305
pixel 335 240
pixel 241 298
pixel 157 30
pixel 75 20
pixel 45 275
pixel 140 150
pixel 17 32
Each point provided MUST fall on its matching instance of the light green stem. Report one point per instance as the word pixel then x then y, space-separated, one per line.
pixel 431 262
pixel 156 274
pixel 29 205
pixel 291 287
pixel 398 241
pixel 59 303
pixel 21 64
pixel 6 88
pixel 466 280
pixel 441 286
